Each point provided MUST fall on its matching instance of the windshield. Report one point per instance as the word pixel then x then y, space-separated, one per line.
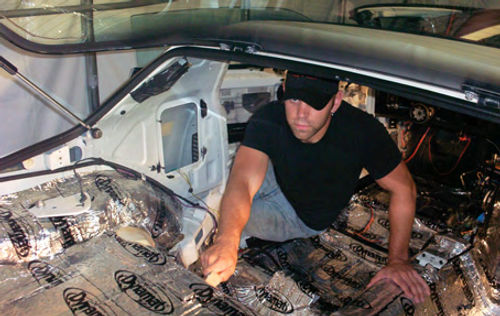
pixel 97 22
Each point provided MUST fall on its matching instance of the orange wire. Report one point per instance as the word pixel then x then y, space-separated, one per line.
pixel 403 135
pixel 418 146
pixel 456 163
pixel 372 217
pixel 450 23
pixel 366 228
pixel 404 131
pixel 363 237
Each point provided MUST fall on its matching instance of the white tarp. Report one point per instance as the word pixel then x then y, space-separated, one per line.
pixel 27 118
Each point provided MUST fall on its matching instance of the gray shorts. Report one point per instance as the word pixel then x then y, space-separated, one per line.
pixel 272 217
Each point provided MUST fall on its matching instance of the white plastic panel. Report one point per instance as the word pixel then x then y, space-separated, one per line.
pixel 133 147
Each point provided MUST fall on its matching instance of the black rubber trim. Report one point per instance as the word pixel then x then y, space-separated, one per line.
pixel 104 46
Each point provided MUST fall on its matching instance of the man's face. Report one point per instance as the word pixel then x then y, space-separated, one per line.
pixel 307 124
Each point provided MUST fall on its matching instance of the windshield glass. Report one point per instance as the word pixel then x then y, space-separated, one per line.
pixel 94 22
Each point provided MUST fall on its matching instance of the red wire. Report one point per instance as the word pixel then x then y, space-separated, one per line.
pixel 363 237
pixel 450 22
pixel 456 163
pixel 418 146
pixel 404 132
pixel 372 217
pixel 403 135
pixel 367 227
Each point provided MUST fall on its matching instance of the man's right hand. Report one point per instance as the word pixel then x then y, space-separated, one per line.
pixel 220 259
pixel 246 177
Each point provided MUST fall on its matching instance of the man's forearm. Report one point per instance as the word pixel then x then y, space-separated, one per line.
pixel 247 174
pixel 235 211
pixel 401 216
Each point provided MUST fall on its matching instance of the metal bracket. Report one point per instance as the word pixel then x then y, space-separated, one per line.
pixel 426 258
pixel 485 96
pixel 242 47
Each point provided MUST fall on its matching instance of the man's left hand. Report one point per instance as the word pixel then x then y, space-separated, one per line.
pixel 403 274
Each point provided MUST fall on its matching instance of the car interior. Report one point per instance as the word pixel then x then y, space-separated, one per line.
pixel 160 175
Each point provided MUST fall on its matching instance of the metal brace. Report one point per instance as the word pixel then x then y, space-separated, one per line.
pixel 426 258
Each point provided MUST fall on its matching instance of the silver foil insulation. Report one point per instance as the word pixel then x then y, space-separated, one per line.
pixel 109 276
pixel 328 274
pixel 78 265
pixel 115 199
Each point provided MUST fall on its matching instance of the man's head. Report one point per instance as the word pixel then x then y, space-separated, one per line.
pixel 309 103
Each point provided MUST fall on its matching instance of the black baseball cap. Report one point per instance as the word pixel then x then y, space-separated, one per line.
pixel 314 91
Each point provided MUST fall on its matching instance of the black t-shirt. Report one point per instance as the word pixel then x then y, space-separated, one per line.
pixel 319 179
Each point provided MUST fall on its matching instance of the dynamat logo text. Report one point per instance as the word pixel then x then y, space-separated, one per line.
pixel 205 295
pixel 283 259
pixel 437 301
pixel 408 306
pixel 336 254
pixel 17 232
pixel 62 225
pixel 160 219
pixel 365 254
pixel 81 302
pixel 330 270
pixel 307 288
pixel 140 251
pixel 362 303
pixel 274 300
pixel 368 235
pixel 45 274
pixel 105 184
pixel 427 222
pixel 384 222
pixel 318 245
pixel 148 295
pixel 469 296
pixel 225 288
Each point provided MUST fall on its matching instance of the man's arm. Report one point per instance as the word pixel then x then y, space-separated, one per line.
pixel 401 214
pixel 247 175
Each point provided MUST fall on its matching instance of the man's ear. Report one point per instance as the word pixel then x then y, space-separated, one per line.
pixel 283 85
pixel 337 100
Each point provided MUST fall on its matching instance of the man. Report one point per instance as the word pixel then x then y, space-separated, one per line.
pixel 317 146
